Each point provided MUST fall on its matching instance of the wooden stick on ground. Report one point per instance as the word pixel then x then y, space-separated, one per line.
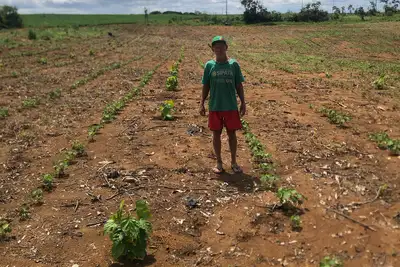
pixel 378 193
pixel 351 219
pixel 76 206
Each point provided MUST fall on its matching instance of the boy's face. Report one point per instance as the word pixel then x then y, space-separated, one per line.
pixel 219 48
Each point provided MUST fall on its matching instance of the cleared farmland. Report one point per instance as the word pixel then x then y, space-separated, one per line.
pixel 317 97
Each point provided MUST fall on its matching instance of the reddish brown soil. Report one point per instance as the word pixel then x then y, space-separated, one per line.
pixel 233 225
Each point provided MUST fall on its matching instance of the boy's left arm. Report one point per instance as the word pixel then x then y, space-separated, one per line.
pixel 240 92
pixel 239 79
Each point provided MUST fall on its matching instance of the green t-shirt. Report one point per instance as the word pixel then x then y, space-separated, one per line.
pixel 222 78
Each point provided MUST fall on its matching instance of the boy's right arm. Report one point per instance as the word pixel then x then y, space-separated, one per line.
pixel 204 95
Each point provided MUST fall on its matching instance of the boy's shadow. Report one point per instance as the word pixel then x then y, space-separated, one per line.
pixel 149 260
pixel 243 182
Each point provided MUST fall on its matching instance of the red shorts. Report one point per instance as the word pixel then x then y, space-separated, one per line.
pixel 218 119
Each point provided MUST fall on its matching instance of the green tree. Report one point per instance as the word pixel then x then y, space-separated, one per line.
pixel 350 8
pixel 9 17
pixel 336 13
pixel 312 12
pixel 372 11
pixel 360 12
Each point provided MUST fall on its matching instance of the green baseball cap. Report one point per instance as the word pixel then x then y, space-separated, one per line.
pixel 218 39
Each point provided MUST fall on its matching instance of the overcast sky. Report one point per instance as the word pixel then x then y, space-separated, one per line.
pixel 137 6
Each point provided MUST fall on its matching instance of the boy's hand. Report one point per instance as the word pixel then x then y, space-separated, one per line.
pixel 202 110
pixel 242 109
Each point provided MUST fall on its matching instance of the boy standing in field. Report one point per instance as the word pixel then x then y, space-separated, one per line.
pixel 223 80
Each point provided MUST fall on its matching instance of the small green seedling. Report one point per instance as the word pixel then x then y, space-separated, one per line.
pixel 93 130
pixel 24 213
pixel 266 167
pixel 289 196
pixel 172 83
pixel 14 74
pixel 55 94
pixel 394 147
pixel 380 83
pixel 295 221
pixel 32 35
pixel 30 103
pixel 328 75
pixel 268 181
pixel 37 196
pixel 91 52
pixel 128 234
pixel 335 117
pixel 4 228
pixel 78 148
pixel 381 139
pixel 3 113
pixel 330 262
pixel 59 168
pixel 42 61
pixel 48 182
pixel 166 108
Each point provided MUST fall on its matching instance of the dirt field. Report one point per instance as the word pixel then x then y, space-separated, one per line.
pixel 291 72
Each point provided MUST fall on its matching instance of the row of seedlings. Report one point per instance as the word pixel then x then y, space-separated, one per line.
pixel 289 198
pixel 47 184
pixel 168 106
pixel 111 110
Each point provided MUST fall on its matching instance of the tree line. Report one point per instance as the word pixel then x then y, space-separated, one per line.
pixel 255 12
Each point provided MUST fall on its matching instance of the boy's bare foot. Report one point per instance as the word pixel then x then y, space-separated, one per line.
pixel 236 168
pixel 218 169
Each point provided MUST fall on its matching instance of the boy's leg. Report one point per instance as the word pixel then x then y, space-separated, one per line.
pixel 215 123
pixel 232 123
pixel 232 145
pixel 217 150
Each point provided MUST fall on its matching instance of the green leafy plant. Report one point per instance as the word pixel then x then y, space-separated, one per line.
pixel 385 142
pixel 93 130
pixel 166 108
pixel 289 196
pixel 3 113
pixel 381 139
pixel 330 262
pixel 394 147
pixel 91 52
pixel 24 213
pixel 79 148
pixel 111 110
pixel 269 181
pixel 14 74
pixel 42 61
pixel 295 221
pixel 4 228
pixel 266 167
pixel 59 169
pixel 30 102
pixel 47 182
pixel 335 117
pixel 172 83
pixel 37 196
pixel 128 234
pixel 55 94
pixel 380 82
pixel 32 35
pixel 328 75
